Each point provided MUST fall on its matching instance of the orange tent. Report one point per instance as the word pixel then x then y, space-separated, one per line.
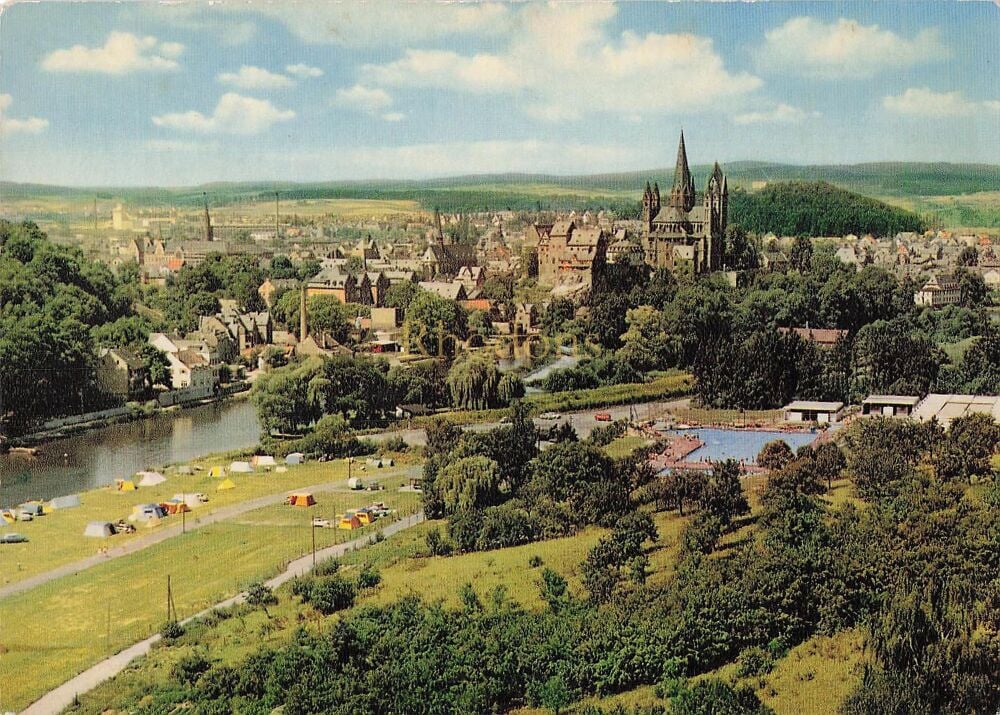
pixel 301 499
pixel 175 507
pixel 349 521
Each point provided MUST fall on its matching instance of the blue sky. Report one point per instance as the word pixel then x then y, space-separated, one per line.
pixel 137 93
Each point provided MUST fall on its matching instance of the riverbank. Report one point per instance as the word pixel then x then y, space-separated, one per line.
pixel 136 411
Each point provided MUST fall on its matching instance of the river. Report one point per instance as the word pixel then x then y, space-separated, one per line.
pixel 98 457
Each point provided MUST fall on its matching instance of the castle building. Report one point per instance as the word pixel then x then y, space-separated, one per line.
pixel 681 235
pixel 570 255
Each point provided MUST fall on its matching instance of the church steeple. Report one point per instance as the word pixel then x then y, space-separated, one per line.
pixel 209 234
pixel 682 192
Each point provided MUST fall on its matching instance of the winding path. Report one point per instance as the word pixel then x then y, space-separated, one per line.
pixel 62 697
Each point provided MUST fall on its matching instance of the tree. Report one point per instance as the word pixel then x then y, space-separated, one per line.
pixel 969 444
pixel 741 253
pixel 434 326
pixel 510 388
pixel 830 462
pixel 800 255
pixel 473 380
pixel 469 483
pixel 554 589
pixel 775 455
pixel 558 312
pixel 645 345
pixel 554 695
pixel 723 495
pixel 260 596
pixel 156 363
pixel 618 556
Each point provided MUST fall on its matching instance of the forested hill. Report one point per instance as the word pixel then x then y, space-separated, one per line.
pixel 801 208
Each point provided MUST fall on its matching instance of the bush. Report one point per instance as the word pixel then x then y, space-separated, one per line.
pixel 327 568
pixel 171 631
pixel 260 596
pixel 395 444
pixel 535 561
pixel 190 667
pixel 331 594
pixel 369 577
pixel 754 661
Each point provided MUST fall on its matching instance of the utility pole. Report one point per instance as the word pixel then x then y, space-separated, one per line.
pixel 276 224
pixel 169 598
pixel 312 521
pixel 184 519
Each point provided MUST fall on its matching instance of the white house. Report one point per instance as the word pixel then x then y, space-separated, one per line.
pixel 811 411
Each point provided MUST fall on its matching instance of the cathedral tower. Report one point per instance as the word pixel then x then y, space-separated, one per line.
pixel 682 192
pixel 209 235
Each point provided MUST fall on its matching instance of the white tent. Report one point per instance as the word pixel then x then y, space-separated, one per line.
pixel 240 467
pixel 67 502
pixel 264 460
pixel 150 479
pixel 192 500
pixel 99 529
pixel 295 458
pixel 184 469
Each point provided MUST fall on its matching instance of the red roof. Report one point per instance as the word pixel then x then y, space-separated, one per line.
pixel 822 336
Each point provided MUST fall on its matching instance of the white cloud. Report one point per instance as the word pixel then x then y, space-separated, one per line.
pixel 12 125
pixel 234 114
pixel 250 77
pixel 370 100
pixel 172 145
pixel 385 24
pixel 562 62
pixel 928 103
pixel 844 49
pixel 303 70
pixel 121 53
pixel 781 114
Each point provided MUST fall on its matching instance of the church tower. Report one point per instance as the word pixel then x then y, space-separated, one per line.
pixel 682 192
pixel 209 235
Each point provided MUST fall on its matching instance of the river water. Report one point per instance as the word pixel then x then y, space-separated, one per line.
pixel 98 457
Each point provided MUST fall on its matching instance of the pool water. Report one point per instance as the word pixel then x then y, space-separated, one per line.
pixel 742 445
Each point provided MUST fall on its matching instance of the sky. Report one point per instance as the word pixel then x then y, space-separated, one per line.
pixel 137 93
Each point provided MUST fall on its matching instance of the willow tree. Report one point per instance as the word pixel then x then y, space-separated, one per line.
pixel 473 380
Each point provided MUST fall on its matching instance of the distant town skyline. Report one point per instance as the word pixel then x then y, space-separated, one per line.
pixel 168 95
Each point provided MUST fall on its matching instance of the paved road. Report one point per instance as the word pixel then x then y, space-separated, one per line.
pixel 193 522
pixel 583 422
pixel 62 697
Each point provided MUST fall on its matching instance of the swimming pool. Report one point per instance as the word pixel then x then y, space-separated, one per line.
pixel 742 445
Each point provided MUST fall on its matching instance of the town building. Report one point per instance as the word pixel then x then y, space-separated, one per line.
pixel 813 411
pixel 570 256
pixel 940 290
pixel 889 405
pixel 122 373
pixel 443 259
pixel 341 285
pixel 822 337
pixel 680 234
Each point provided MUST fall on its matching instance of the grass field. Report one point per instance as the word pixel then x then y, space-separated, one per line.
pixel 335 208
pixel 57 538
pixel 56 630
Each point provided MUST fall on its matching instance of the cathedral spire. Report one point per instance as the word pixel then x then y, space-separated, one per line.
pixel 208 220
pixel 682 192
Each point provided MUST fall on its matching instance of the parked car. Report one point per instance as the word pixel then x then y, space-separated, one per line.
pixel 549 416
pixel 13 538
pixel 603 416
pixel 321 523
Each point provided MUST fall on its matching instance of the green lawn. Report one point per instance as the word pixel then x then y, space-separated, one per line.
pixel 625 445
pixel 57 538
pixel 54 631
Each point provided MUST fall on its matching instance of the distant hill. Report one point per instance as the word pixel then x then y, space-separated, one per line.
pixel 533 191
pixel 817 209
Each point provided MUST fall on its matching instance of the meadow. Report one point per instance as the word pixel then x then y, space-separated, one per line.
pixel 60 628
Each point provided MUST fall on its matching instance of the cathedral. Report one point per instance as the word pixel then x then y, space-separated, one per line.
pixel 681 235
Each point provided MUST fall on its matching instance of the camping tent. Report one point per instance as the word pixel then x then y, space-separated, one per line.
pixel 7 516
pixel 125 485
pixel 67 502
pixel 301 499
pixel 34 508
pixel 99 529
pixel 145 512
pixel 295 458
pixel 150 479
pixel 217 471
pixel 226 484
pixel 192 500
pixel 264 461
pixel 240 467
pixel 175 506
pixel 349 521
pixel 184 469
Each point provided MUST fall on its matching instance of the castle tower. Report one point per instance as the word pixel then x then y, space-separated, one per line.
pixel 208 222
pixel 682 195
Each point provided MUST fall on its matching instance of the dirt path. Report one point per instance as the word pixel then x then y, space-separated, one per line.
pixel 62 697
pixel 194 522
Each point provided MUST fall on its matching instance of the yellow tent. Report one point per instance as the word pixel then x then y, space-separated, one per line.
pixel 217 471
pixel 226 484
pixel 7 517
pixel 125 485
pixel 349 521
